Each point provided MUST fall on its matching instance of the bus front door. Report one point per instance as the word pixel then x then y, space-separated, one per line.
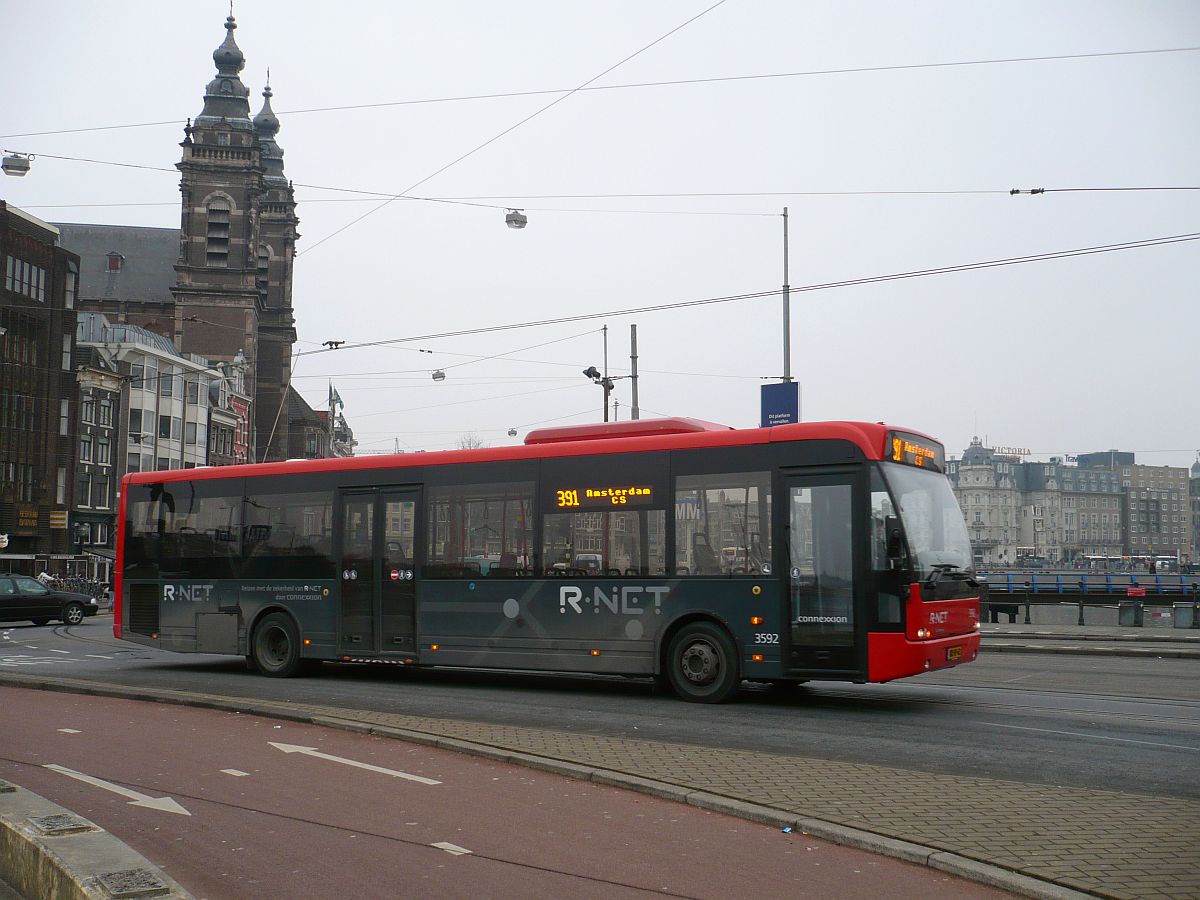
pixel 822 573
pixel 378 535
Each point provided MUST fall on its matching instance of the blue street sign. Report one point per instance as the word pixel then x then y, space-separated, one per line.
pixel 780 403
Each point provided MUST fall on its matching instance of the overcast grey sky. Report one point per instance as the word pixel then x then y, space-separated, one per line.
pixel 1061 356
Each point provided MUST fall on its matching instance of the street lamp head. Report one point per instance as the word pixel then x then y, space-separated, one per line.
pixel 512 432
pixel 439 375
pixel 16 164
pixel 516 219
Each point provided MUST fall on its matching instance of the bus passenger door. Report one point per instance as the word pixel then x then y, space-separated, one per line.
pixel 359 574
pixel 823 572
pixel 397 613
pixel 378 537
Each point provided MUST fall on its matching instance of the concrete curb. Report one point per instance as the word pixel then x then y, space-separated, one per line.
pixel 47 851
pixel 933 857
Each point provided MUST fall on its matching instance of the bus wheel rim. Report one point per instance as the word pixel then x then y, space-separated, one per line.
pixel 700 663
pixel 276 646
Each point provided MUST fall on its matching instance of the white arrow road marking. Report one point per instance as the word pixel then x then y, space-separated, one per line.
pixel 451 848
pixel 163 804
pixel 22 659
pixel 313 751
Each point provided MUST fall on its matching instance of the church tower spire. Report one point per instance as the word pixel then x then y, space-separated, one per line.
pixel 226 98
pixel 275 259
pixel 234 274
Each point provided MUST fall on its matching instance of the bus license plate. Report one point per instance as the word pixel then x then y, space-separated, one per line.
pixel 953 653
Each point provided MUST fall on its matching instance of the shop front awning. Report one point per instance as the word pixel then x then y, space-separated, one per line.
pixel 100 553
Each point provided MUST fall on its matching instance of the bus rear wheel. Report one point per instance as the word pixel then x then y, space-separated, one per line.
pixel 702 664
pixel 276 646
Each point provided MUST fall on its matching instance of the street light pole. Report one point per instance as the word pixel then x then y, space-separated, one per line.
pixel 606 383
pixel 636 412
pixel 787 306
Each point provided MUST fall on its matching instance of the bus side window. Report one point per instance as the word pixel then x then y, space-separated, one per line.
pixel 730 510
pixel 473 529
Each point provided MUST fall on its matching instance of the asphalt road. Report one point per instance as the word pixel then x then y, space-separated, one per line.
pixel 239 806
pixel 1095 722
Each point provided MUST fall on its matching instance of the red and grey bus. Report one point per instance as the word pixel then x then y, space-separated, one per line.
pixel 588 549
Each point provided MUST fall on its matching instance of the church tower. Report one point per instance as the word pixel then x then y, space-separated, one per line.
pixel 274 260
pixel 237 238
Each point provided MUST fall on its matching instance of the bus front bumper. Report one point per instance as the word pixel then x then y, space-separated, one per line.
pixel 892 655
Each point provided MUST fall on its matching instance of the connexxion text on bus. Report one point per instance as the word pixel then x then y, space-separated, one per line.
pixel 674 548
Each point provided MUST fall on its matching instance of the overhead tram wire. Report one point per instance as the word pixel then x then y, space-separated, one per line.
pixel 511 128
pixel 683 304
pixel 507 201
pixel 643 84
pixel 754 295
pixel 576 385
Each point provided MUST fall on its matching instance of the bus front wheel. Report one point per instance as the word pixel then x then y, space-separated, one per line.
pixel 276 646
pixel 702 664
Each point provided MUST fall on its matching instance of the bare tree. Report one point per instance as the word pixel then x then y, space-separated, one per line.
pixel 470 441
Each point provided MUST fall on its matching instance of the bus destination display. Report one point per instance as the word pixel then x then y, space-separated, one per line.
pixel 603 497
pixel 913 450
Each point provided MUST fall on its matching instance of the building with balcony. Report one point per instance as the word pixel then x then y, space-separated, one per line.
pixel 987 486
pixel 1157 508
pixel 97 462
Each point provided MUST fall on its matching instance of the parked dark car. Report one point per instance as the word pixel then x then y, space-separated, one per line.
pixel 26 599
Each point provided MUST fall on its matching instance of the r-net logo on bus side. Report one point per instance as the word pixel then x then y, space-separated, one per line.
pixel 191 593
pixel 625 601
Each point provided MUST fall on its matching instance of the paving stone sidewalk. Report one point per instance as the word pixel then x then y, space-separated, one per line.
pixel 1103 842
pixel 1106 843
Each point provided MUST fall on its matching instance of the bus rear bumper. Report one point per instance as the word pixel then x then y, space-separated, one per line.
pixel 892 655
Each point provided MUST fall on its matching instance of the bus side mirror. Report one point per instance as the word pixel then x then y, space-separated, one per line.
pixel 891 529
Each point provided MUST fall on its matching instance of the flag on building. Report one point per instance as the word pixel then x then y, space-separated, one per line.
pixel 335 397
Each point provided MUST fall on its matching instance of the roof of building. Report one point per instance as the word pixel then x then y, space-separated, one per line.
pixel 146 270
pixel 300 412
pixel 95 328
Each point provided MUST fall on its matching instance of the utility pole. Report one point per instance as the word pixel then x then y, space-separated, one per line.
pixel 332 407
pixel 606 383
pixel 635 412
pixel 787 306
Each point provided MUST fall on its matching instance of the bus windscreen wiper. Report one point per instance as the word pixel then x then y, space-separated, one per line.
pixel 950 572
